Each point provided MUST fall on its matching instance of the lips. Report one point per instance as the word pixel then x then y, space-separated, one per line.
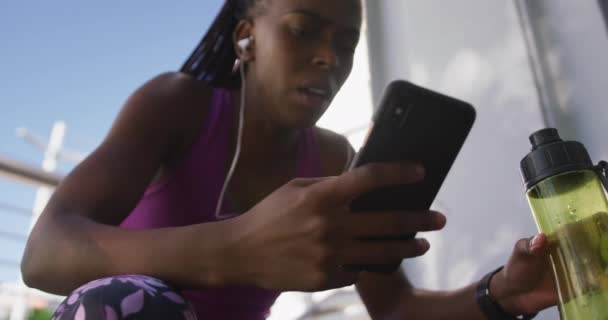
pixel 316 93
pixel 312 98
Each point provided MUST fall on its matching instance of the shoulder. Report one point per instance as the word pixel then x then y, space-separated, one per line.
pixel 174 103
pixel 335 151
pixel 172 90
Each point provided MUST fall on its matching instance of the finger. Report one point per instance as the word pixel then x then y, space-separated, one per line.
pixel 372 176
pixel 522 247
pixel 382 252
pixel 364 225
pixel 538 244
pixel 305 182
pixel 531 246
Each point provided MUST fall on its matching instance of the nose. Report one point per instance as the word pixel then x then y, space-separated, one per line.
pixel 326 57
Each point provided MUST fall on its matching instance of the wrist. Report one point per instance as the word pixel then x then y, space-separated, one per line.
pixel 501 294
pixel 498 305
pixel 216 259
pixel 234 260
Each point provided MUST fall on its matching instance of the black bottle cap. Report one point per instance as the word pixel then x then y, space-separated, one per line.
pixel 550 156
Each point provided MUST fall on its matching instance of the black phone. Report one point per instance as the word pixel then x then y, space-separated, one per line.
pixel 412 123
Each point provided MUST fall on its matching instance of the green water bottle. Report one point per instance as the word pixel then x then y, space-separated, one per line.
pixel 564 190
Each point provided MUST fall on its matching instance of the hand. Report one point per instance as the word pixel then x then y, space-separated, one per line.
pixel 526 283
pixel 300 236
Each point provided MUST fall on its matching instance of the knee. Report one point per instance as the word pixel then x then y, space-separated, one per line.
pixel 120 296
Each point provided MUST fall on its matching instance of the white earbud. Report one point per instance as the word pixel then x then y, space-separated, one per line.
pixel 245 43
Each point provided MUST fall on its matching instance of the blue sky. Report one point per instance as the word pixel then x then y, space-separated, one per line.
pixel 78 61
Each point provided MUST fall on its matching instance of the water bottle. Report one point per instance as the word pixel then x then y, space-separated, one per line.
pixel 569 205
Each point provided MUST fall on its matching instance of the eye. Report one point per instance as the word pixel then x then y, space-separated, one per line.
pixel 302 31
pixel 303 27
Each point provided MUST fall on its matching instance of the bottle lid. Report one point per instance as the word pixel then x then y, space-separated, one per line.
pixel 551 155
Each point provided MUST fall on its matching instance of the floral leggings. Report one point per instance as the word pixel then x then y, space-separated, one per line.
pixel 125 297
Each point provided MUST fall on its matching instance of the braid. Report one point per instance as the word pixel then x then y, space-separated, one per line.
pixel 213 59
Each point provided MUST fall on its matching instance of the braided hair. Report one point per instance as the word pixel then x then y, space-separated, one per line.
pixel 213 59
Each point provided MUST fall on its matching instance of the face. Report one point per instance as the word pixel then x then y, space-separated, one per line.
pixel 302 55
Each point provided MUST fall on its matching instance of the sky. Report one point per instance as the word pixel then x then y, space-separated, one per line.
pixel 78 61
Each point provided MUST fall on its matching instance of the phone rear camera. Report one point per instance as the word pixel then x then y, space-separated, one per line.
pixel 401 114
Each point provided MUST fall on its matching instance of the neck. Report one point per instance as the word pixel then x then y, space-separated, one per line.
pixel 264 140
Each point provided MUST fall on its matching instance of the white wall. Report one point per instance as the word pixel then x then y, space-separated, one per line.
pixel 572 47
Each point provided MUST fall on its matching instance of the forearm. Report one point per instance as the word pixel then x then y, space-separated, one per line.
pixel 392 297
pixel 426 304
pixel 67 251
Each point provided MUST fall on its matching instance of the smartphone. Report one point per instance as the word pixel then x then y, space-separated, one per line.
pixel 412 123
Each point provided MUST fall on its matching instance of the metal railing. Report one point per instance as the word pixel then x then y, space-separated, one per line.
pixel 16 172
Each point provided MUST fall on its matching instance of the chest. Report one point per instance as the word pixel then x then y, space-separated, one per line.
pixel 248 187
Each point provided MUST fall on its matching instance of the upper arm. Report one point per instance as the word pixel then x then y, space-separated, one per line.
pixel 152 125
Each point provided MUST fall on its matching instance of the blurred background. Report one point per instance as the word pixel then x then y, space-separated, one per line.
pixel 66 68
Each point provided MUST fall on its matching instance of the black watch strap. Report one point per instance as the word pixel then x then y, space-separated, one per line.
pixel 490 308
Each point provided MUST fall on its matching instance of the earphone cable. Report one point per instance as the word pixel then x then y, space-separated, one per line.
pixel 237 151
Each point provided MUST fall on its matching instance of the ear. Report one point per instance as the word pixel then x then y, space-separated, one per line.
pixel 243 30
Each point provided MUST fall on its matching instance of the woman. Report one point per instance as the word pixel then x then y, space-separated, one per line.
pixel 214 191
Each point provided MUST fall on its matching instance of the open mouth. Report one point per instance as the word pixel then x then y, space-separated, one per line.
pixel 313 97
pixel 315 92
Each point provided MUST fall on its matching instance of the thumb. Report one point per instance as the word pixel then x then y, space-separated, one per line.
pixel 538 244
pixel 528 260
pixel 533 246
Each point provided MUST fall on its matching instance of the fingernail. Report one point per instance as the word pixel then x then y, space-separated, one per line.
pixel 535 243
